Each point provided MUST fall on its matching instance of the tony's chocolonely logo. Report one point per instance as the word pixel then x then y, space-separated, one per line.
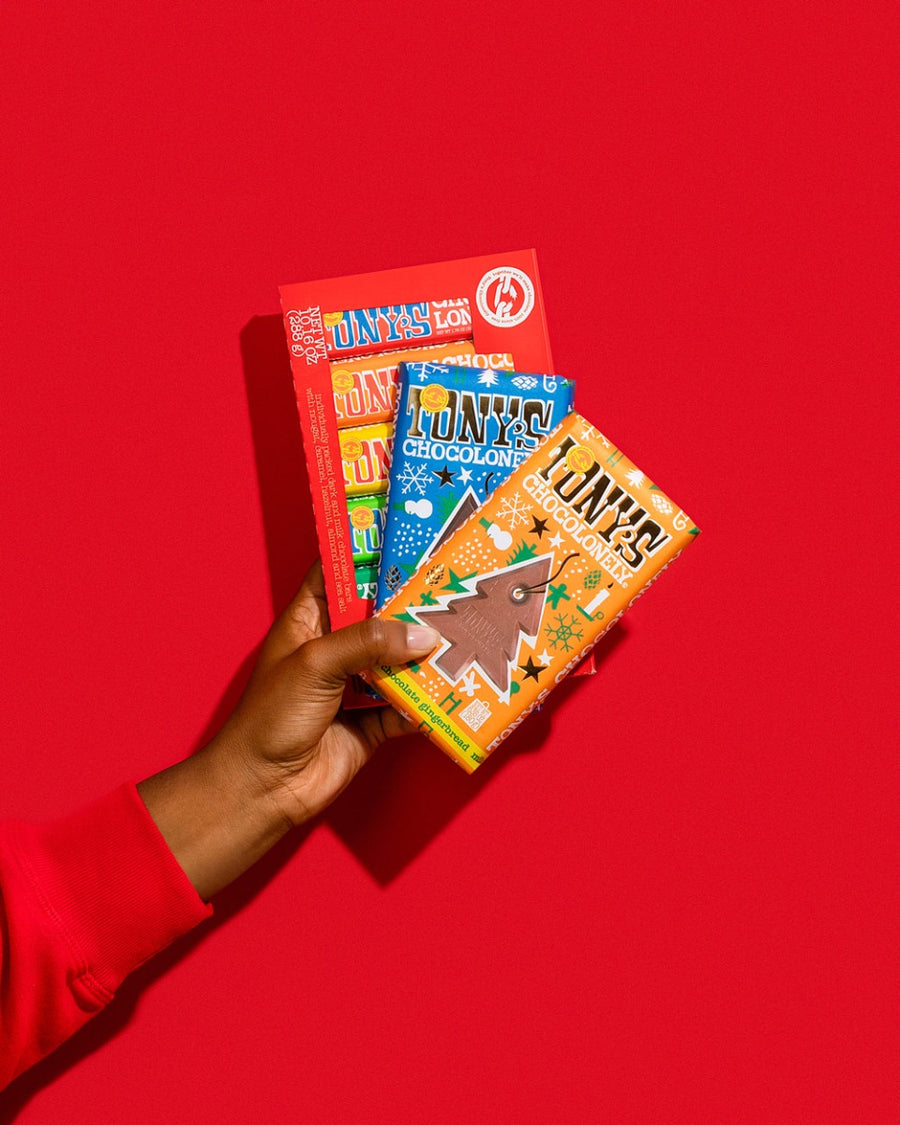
pixel 505 296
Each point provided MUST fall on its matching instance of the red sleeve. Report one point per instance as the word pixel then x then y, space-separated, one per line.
pixel 83 901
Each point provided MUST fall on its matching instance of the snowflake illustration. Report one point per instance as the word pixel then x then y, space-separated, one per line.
pixel 565 633
pixel 469 684
pixel 514 509
pixel 413 477
pixel 660 502
pixel 635 477
pixel 488 379
pixel 524 382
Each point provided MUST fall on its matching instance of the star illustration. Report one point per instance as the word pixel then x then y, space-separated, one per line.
pixel 444 475
pixel 465 475
pixel 556 541
pixel 531 669
pixel 538 527
pixel 544 656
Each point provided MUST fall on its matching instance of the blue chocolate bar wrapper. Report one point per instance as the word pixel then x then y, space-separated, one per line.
pixel 460 431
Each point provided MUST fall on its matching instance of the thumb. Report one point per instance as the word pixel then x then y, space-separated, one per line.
pixel 334 657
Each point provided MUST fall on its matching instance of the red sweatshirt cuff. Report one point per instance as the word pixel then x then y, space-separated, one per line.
pixel 111 886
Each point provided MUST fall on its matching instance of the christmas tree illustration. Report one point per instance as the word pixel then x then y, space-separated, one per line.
pixel 486 625
pixel 457 518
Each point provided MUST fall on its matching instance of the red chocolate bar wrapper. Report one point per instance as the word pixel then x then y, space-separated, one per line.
pixel 508 316
pixel 358 332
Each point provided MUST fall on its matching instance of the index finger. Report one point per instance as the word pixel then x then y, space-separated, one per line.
pixel 303 619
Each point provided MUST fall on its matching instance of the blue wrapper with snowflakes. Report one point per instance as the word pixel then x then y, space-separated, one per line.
pixel 459 433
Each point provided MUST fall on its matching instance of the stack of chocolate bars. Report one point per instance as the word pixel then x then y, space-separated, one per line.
pixel 364 383
pixel 476 501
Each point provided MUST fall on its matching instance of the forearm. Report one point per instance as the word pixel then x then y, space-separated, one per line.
pixel 214 814
pixel 84 900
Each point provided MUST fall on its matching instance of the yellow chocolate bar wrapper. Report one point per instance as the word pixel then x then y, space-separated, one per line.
pixel 527 586
pixel 366 458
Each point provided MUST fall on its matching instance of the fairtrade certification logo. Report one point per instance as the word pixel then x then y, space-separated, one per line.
pixel 505 296
pixel 434 398
pixel 579 459
pixel 341 382
pixel 351 450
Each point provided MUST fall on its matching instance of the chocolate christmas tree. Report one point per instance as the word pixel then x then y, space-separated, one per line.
pixel 486 626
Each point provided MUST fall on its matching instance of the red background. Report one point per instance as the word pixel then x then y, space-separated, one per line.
pixel 672 897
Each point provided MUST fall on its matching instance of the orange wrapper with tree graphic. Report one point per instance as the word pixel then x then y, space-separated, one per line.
pixel 527 586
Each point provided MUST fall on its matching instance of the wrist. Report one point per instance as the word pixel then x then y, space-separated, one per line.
pixel 215 815
pixel 255 784
pixel 270 785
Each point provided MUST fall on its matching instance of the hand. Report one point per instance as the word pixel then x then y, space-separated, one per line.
pixel 287 750
pixel 288 725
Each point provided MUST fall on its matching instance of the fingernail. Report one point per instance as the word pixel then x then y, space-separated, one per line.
pixel 419 638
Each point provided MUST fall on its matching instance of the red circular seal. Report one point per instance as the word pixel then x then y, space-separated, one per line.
pixel 505 296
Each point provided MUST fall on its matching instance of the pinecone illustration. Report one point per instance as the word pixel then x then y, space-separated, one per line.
pixel 393 578
pixel 594 579
pixel 435 574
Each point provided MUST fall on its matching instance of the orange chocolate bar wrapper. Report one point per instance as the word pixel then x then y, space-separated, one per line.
pixel 365 390
pixel 527 586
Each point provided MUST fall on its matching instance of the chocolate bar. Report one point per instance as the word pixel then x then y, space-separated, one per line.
pixel 365 458
pixel 459 433
pixel 527 586
pixel 358 332
pixel 365 390
pixel 366 527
